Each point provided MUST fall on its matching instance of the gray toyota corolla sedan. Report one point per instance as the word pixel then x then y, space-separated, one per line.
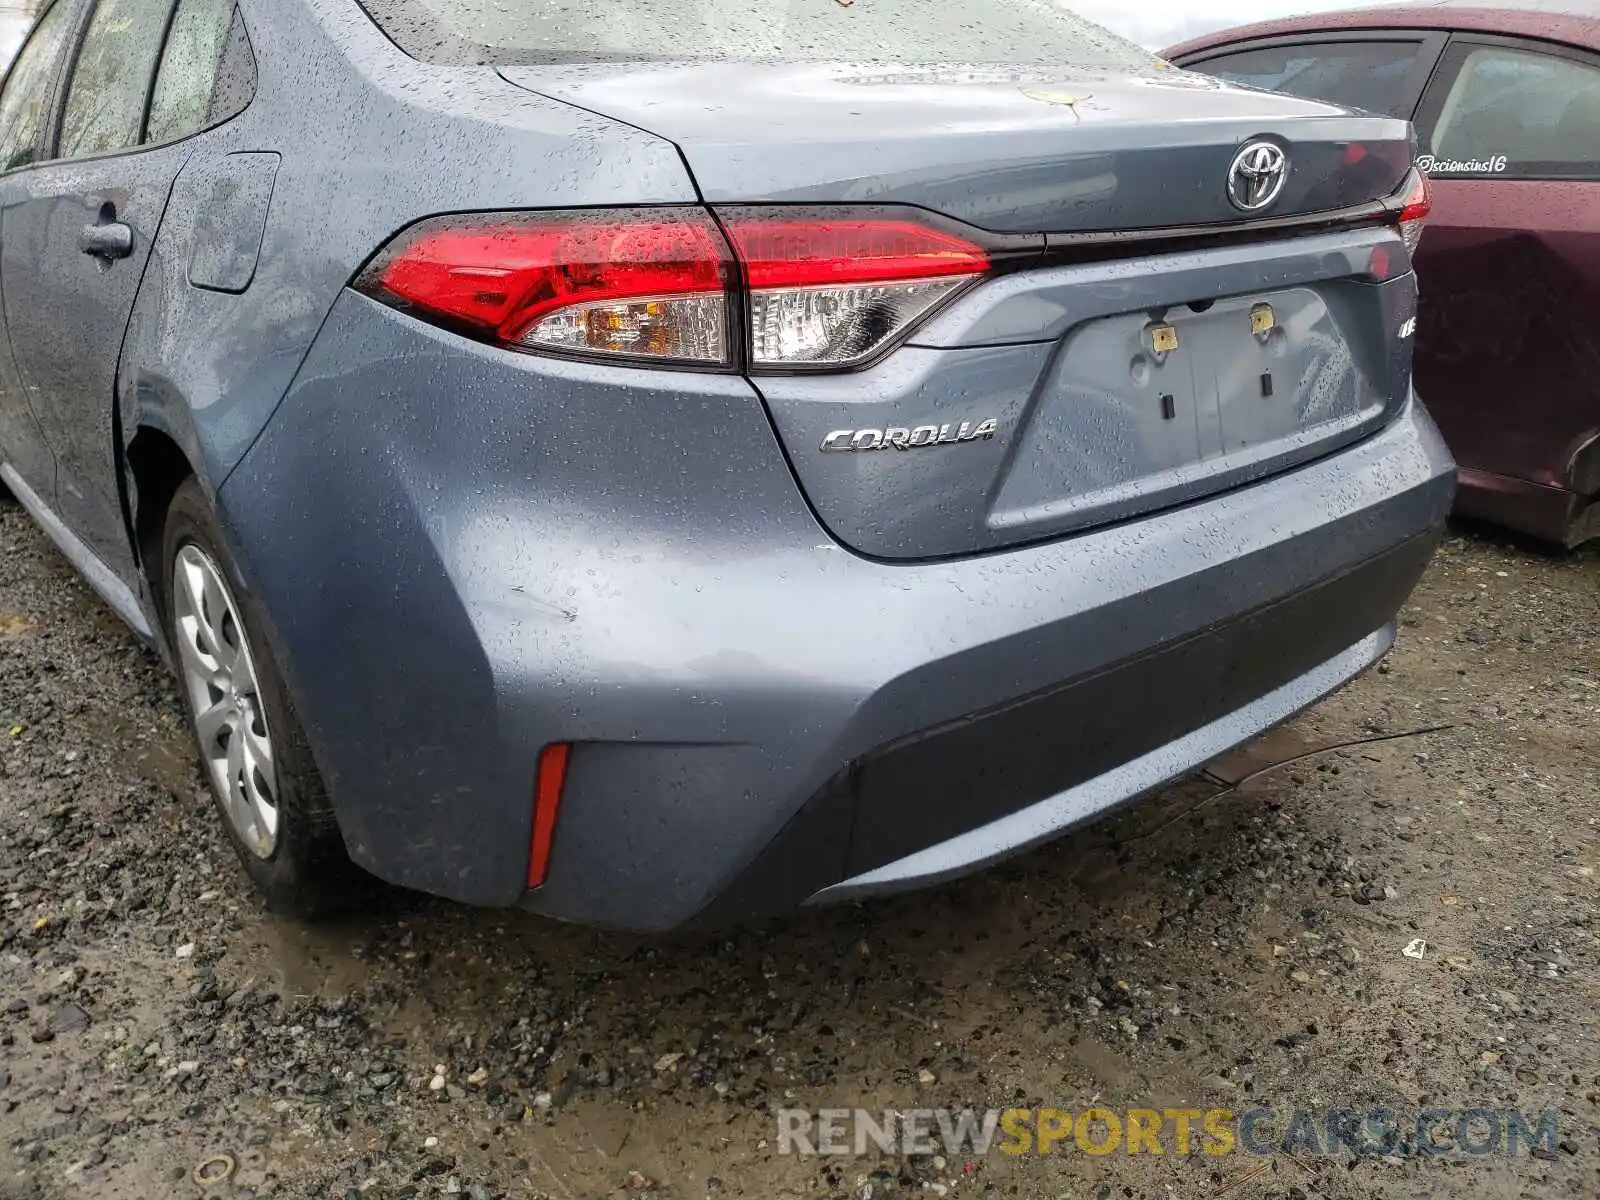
pixel 673 461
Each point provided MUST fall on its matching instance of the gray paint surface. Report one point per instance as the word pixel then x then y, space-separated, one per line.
pixel 230 222
pixel 1015 151
pixel 465 553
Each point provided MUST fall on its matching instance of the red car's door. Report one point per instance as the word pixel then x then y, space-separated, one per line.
pixel 1508 339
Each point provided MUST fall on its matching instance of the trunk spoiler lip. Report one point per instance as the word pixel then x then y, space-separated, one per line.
pixel 1010 252
pixel 1091 245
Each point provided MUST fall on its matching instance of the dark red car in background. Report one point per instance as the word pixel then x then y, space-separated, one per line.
pixel 1506 102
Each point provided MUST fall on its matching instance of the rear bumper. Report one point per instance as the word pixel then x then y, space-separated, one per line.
pixel 948 801
pixel 758 716
pixel 1550 514
pixel 1139 774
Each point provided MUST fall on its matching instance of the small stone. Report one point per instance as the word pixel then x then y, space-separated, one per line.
pixel 69 1018
pixel 480 1076
pixel 926 1076
pixel 436 1084
pixel 184 951
pixel 668 1062
pixel 1299 975
pixel 638 1181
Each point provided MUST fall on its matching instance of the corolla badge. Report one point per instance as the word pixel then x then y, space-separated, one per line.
pixel 1257 175
pixel 910 437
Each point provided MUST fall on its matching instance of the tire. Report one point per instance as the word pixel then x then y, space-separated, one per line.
pixel 276 814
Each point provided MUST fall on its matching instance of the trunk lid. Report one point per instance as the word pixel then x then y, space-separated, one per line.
pixel 1014 151
pixel 1077 392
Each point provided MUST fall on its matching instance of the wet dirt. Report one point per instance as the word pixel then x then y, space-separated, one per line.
pixel 1237 953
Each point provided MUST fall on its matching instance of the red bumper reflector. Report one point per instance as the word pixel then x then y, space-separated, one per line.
pixel 546 802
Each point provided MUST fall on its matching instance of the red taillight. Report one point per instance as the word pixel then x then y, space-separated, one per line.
pixel 551 778
pixel 1414 210
pixel 826 288
pixel 648 282
pixel 777 251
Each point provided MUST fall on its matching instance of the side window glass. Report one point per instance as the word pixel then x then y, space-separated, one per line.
pixel 110 80
pixel 27 90
pixel 1367 74
pixel 187 79
pixel 1513 113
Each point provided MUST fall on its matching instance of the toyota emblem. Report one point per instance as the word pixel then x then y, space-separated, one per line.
pixel 1257 176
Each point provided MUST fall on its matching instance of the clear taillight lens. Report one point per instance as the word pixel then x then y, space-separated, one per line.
pixel 1414 211
pixel 837 325
pixel 688 328
pixel 645 283
pixel 831 290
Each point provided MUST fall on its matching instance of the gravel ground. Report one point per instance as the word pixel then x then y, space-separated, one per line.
pixel 1247 953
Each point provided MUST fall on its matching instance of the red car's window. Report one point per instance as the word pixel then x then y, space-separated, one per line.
pixel 1371 75
pixel 1513 113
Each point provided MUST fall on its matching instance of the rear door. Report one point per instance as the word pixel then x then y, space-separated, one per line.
pixel 1508 351
pixel 24 109
pixel 78 232
pixel 1379 70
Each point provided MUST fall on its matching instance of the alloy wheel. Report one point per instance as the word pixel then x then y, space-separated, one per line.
pixel 220 675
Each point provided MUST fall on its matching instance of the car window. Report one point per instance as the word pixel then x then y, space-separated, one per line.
pixel 111 78
pixel 187 78
pixel 27 90
pixel 1369 75
pixel 1517 113
pixel 236 74
pixel 888 31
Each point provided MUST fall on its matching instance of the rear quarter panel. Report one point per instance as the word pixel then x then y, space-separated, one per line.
pixel 368 141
